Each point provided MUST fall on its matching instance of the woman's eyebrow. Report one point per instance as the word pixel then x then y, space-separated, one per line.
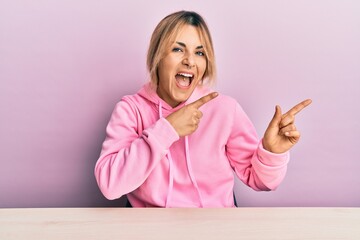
pixel 184 45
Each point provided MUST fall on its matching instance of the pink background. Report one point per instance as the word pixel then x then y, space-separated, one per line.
pixel 64 65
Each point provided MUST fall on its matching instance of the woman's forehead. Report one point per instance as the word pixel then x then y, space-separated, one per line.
pixel 189 35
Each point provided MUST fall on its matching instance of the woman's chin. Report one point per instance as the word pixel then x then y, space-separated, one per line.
pixel 178 100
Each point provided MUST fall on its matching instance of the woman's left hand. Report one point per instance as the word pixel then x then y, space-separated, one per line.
pixel 281 134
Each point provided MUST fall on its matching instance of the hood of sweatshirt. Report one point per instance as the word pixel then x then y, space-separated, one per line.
pixel 148 92
pixel 164 109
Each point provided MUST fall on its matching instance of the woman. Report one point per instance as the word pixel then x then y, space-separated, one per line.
pixel 176 143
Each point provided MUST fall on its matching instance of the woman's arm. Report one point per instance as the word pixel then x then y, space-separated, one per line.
pixel 255 166
pixel 127 157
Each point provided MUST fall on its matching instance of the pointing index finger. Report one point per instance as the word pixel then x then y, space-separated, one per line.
pixel 198 103
pixel 297 108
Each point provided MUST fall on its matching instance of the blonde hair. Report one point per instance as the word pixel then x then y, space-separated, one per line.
pixel 166 32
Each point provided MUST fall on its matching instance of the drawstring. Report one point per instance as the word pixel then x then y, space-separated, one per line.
pixel 171 177
pixel 188 164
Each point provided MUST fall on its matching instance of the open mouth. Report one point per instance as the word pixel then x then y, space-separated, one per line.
pixel 184 80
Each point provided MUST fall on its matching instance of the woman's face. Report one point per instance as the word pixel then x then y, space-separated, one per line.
pixel 182 68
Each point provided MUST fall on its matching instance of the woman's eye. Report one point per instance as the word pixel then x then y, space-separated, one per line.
pixel 200 53
pixel 177 50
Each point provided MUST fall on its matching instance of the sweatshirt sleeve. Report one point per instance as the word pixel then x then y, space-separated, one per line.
pixel 255 166
pixel 127 157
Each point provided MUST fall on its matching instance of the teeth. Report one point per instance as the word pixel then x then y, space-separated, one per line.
pixel 186 74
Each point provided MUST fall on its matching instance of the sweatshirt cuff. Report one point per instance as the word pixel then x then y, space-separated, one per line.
pixel 164 133
pixel 272 159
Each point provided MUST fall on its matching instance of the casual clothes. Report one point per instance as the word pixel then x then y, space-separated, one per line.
pixel 143 156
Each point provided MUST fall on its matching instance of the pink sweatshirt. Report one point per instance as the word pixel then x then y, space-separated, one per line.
pixel 143 156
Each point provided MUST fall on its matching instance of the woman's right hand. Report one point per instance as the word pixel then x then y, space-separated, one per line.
pixel 186 120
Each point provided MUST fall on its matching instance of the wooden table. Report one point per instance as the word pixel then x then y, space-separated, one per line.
pixel 184 224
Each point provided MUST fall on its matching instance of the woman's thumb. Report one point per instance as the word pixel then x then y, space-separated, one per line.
pixel 275 121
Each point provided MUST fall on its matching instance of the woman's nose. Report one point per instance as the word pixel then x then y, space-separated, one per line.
pixel 189 61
